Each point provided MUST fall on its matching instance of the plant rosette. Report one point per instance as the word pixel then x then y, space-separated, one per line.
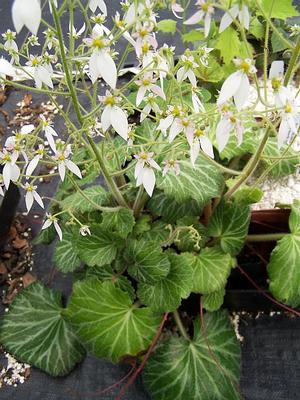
pixel 182 146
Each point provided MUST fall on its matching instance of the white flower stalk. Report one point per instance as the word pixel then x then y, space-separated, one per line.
pixel 113 115
pixel 172 113
pixel 101 63
pixel 176 8
pixel 147 84
pixel 290 123
pixel 186 71
pixel 62 158
pixel 49 132
pixel 41 75
pixel 144 173
pixel 11 172
pixel 52 220
pixel 237 85
pixel 184 125
pixel 35 161
pixel 237 11
pixel 200 141
pixel 94 4
pixel 171 166
pixel 204 14
pixel 28 13
pixel 10 45
pixel 6 69
pixel 281 93
pixel 31 196
pixel 151 105
pixel 227 123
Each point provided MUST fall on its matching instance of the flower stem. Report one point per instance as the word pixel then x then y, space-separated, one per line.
pixel 293 61
pixel 266 237
pixel 140 200
pixel 109 180
pixel 180 325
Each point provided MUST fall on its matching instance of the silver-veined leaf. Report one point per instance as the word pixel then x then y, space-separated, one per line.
pixel 213 301
pixel 107 321
pixel 94 196
pixel 35 332
pixel 181 369
pixel 120 221
pixel 66 255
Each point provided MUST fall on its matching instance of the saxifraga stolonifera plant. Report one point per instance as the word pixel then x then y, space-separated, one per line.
pixel 182 143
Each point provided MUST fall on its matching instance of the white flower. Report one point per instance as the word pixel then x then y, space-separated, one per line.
pixel 52 220
pixel 144 38
pixel 113 115
pixel 63 162
pixel 11 172
pixel 237 84
pixel 176 8
pixel 15 143
pixel 101 63
pixel 171 165
pixel 186 71
pixel 84 230
pixel 6 69
pixel 49 132
pixel 144 173
pixel 147 83
pixel 74 33
pixel 93 4
pixel 205 13
pixel 197 104
pixel 172 113
pixel 10 45
pixel 150 105
pixel 40 72
pixel 182 125
pixel 234 12
pixel 290 123
pixel 281 93
pixel 34 162
pixel 31 195
pixel 200 141
pixel 227 123
pixel 28 13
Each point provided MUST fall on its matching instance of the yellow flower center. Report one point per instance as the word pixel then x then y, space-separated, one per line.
pixel 145 48
pixel 143 33
pixel 6 158
pixel 146 82
pixel 61 158
pixel 205 7
pixel 288 108
pixel 185 122
pixel 245 66
pixel 29 188
pixel 199 132
pixel 144 156
pixel 232 119
pixel 98 43
pixel 35 62
pixel 110 100
pixel 276 83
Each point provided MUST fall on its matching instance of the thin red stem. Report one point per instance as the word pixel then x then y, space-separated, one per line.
pixel 147 355
pixel 287 308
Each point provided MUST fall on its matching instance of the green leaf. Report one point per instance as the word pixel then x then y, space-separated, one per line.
pixel 200 183
pixel 143 224
pixel 35 333
pixel 193 36
pixel 247 195
pixel 284 265
pixel 248 146
pixel 168 208
pixel 46 236
pixel 257 29
pixel 213 301
pixel 212 73
pixel 229 224
pixel 107 322
pixel 279 9
pixel 114 153
pixel 182 369
pixel 167 26
pixel 146 261
pixel 121 221
pixel 100 248
pixel 66 254
pixel 283 166
pixel 166 294
pixel 211 270
pixel 229 44
pixel 96 195
pixel 159 232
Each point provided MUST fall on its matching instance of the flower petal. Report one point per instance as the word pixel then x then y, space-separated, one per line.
pixel 107 68
pixel 29 200
pixel 277 69
pixel 176 128
pixel 73 168
pixel 38 199
pixel 148 180
pixel 283 133
pixel 158 91
pixel 206 146
pixel 244 17
pixel 222 133
pixel 194 151
pixel 106 118
pixel 230 87
pixel 119 121
pixel 195 18
pixel 58 230
pixel 228 18
pixel 32 165
pixel 6 68
pixel 62 170
pixel 242 94
pixel 140 95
